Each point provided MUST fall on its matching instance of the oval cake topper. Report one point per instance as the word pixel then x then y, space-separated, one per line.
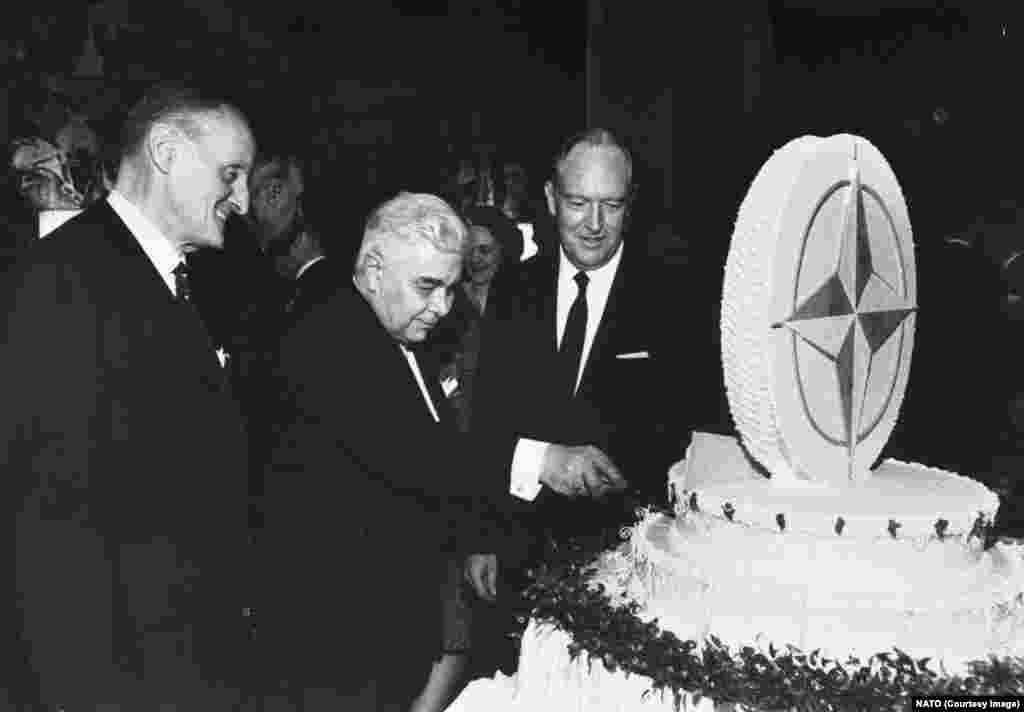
pixel 818 310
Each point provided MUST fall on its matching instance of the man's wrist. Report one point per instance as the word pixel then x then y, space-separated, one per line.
pixel 527 468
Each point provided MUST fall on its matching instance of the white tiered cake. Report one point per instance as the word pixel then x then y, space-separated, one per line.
pixel 792 539
pixel 883 563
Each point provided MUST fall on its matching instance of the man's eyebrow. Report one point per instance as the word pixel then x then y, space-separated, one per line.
pixel 579 196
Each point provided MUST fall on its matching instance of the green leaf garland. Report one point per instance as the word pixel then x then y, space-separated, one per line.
pixel 611 634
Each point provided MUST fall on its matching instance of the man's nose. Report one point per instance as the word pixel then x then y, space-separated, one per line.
pixel 441 302
pixel 595 218
pixel 240 197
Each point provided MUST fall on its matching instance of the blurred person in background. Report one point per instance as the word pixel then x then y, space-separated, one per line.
pixel 494 249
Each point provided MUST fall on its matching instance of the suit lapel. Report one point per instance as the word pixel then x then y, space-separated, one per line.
pixel 405 388
pixel 544 283
pixel 430 370
pixel 149 288
pixel 607 328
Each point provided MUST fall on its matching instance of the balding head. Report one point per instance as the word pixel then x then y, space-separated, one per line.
pixel 589 197
pixel 185 159
pixel 595 137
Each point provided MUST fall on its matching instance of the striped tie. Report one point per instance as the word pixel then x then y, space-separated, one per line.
pixel 182 287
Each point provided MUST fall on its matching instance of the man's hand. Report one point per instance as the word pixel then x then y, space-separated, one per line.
pixel 481 572
pixel 582 471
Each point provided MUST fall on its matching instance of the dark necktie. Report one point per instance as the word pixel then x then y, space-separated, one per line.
pixel 182 286
pixel 183 295
pixel 571 350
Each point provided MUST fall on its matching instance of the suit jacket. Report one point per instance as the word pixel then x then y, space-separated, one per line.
pixel 360 490
pixel 241 299
pixel 313 288
pixel 123 482
pixel 458 342
pixel 625 406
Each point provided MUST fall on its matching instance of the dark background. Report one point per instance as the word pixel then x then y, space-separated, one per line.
pixel 388 95
pixel 383 96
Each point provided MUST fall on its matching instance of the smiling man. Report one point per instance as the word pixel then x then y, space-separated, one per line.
pixel 588 197
pixel 124 456
pixel 186 172
pixel 582 363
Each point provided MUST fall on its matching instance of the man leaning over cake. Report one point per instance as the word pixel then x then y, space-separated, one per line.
pixel 584 362
pixel 367 470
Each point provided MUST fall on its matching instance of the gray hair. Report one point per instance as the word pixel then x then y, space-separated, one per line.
pixel 176 104
pixel 408 217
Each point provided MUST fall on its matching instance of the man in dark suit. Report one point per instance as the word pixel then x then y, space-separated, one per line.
pixel 313 276
pixel 582 363
pixel 367 471
pixel 292 240
pixel 124 456
pixel 281 271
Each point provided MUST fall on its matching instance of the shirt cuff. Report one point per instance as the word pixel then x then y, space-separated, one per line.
pixel 526 464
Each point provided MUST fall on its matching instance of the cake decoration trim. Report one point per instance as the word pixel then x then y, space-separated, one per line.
pixel 840 524
pixel 561 596
pixel 941 525
pixel 983 530
pixel 893 528
pixel 693 502
pixel 780 519
pixel 728 510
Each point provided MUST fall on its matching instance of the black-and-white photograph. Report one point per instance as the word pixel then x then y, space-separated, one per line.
pixel 504 356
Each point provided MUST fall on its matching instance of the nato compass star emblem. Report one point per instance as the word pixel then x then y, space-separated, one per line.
pixel 851 301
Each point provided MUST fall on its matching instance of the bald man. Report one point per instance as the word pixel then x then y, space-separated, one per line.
pixel 124 457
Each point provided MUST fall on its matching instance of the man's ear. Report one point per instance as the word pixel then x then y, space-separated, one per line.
pixel 549 193
pixel 634 191
pixel 372 267
pixel 162 146
pixel 627 218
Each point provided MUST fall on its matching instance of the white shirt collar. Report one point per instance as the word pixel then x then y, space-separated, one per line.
pixel 306 266
pixel 600 279
pixel 418 375
pixel 598 289
pixel 164 255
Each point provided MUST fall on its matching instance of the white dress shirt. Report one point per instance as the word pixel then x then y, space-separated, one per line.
pixel 160 251
pixel 415 367
pixel 163 253
pixel 529 454
pixel 598 289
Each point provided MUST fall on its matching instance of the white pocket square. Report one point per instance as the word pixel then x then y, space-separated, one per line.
pixel 634 354
pixel 449 385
